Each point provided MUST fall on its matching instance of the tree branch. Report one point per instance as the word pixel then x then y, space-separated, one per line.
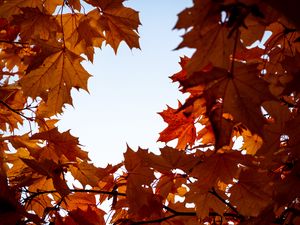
pixel 14 42
pixel 238 215
pixel 35 194
pixel 14 110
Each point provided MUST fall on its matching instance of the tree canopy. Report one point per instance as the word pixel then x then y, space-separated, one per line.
pixel 238 90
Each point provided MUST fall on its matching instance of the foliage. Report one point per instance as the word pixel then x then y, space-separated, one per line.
pixel 237 91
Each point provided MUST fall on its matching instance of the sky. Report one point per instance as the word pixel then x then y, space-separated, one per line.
pixel 128 89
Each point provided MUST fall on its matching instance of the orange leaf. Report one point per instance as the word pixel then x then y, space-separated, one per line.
pixel 119 24
pixel 35 24
pixel 59 73
pixel 60 144
pixel 179 126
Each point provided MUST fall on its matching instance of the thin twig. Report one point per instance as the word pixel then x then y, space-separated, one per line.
pixel 13 42
pixel 200 146
pixel 14 110
pixel 35 194
pixel 238 215
pixel 174 214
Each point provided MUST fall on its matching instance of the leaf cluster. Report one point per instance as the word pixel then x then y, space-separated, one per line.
pixel 242 89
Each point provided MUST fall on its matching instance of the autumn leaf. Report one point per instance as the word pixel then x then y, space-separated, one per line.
pixel 204 201
pixel 59 144
pixel 118 23
pixel 179 126
pixel 240 93
pixel 13 7
pixel 252 192
pixel 75 4
pixel 273 131
pixel 79 200
pixel 251 142
pixel 89 216
pixel 220 167
pixel 79 34
pixel 169 159
pixel 51 169
pixel 59 73
pixel 139 177
pixel 39 204
pixel 209 35
pixel 35 23
pixel 232 92
pixel 88 174
pixel 10 120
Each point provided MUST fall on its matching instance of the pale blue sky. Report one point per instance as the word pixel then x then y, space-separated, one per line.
pixel 128 89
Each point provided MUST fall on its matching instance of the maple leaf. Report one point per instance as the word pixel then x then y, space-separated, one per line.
pixel 284 190
pixel 220 167
pixel 59 144
pixel 209 35
pixel 233 91
pixel 200 13
pixel 179 126
pixel 34 23
pixel 139 179
pixel 79 34
pixel 51 169
pixel 9 31
pixel 167 185
pixel 75 4
pixel 290 64
pixel 60 72
pixel 252 193
pixel 13 7
pixel 88 174
pixel 11 98
pixel 255 17
pixel 119 24
pixel 169 159
pixel 89 216
pixel 273 131
pixel 240 93
pixel 204 201
pixel 39 204
pixel 79 200
pixel 251 142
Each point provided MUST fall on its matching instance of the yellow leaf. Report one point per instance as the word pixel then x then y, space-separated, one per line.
pixel 252 142
pixel 181 191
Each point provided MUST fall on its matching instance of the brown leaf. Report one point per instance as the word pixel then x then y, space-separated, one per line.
pixel 220 166
pixel 240 93
pixel 252 193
